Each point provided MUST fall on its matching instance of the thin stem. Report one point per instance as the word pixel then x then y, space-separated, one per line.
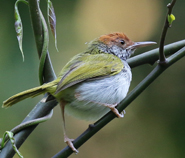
pixel 46 71
pixel 40 110
pixel 37 24
pixel 26 124
pixel 152 56
pixel 170 6
pixel 162 57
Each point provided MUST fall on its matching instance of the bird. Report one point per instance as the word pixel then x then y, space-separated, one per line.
pixel 93 82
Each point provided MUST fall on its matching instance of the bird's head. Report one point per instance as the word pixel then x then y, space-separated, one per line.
pixel 118 44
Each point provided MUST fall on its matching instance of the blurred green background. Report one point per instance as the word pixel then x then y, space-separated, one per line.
pixel 154 125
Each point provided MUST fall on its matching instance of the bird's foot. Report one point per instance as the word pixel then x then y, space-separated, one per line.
pixel 123 113
pixel 69 142
pixel 110 106
pixel 116 112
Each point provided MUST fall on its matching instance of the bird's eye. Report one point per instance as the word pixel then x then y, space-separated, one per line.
pixel 122 42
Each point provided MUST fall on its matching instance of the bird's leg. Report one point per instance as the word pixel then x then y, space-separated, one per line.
pixel 113 109
pixel 110 106
pixel 67 140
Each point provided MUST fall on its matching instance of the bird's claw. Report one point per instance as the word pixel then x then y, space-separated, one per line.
pixel 116 112
pixel 69 142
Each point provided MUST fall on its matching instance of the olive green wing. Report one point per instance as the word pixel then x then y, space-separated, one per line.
pixel 88 66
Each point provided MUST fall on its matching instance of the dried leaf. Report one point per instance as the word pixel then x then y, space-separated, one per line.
pixel 18 28
pixel 52 21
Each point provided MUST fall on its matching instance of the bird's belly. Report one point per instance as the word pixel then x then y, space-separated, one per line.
pixel 90 96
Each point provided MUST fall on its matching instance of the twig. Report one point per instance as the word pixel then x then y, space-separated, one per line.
pixel 26 124
pixel 162 58
pixel 152 56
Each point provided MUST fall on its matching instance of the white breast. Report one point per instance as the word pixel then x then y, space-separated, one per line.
pixel 92 94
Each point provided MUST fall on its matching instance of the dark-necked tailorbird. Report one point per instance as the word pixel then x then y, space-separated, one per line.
pixel 93 82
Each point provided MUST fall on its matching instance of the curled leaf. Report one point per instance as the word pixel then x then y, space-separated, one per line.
pixel 12 140
pixel 171 18
pixel 18 28
pixel 52 21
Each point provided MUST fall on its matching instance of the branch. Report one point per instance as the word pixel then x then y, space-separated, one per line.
pixel 42 39
pixel 162 57
pixel 152 56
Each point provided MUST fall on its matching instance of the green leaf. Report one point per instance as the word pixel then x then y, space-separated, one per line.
pixel 12 140
pixel 52 21
pixel 171 18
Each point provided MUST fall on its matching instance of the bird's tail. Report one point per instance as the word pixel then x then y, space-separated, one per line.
pixel 27 94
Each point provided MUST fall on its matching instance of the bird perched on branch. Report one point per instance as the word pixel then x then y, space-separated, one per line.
pixel 92 83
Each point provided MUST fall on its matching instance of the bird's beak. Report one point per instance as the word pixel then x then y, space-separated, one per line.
pixel 141 44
